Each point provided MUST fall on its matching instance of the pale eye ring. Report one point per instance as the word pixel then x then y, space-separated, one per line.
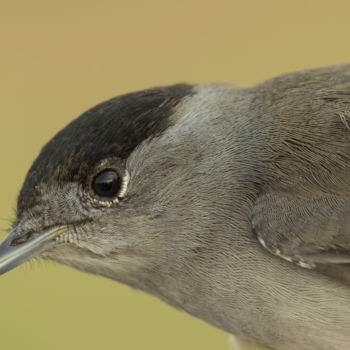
pixel 108 182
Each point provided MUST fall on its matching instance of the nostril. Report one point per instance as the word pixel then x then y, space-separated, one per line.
pixel 21 239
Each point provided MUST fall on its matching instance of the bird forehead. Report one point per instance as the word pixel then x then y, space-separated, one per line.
pixel 113 128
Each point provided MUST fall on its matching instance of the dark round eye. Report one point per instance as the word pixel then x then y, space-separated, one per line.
pixel 107 184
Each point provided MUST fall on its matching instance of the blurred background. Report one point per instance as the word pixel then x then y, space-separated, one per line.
pixel 59 58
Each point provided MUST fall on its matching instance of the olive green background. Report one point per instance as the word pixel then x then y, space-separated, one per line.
pixel 59 58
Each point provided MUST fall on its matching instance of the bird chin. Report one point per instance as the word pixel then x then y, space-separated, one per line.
pixel 73 256
pixel 66 252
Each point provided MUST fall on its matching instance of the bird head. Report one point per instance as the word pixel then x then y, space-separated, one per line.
pixel 93 195
pixel 113 192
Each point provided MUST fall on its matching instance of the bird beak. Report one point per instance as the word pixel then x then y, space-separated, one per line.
pixel 16 249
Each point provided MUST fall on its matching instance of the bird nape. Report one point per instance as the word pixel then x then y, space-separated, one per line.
pixel 229 203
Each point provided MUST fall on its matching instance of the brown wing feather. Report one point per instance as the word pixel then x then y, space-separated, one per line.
pixel 302 213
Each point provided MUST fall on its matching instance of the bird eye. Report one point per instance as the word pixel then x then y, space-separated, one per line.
pixel 107 184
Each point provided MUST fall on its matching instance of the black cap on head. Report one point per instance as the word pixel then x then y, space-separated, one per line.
pixel 112 128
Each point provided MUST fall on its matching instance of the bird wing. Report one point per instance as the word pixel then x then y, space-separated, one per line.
pixel 302 213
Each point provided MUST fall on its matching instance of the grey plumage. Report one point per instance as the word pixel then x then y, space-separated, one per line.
pixel 236 208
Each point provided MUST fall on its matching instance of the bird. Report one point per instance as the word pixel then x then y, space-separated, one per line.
pixel 230 203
